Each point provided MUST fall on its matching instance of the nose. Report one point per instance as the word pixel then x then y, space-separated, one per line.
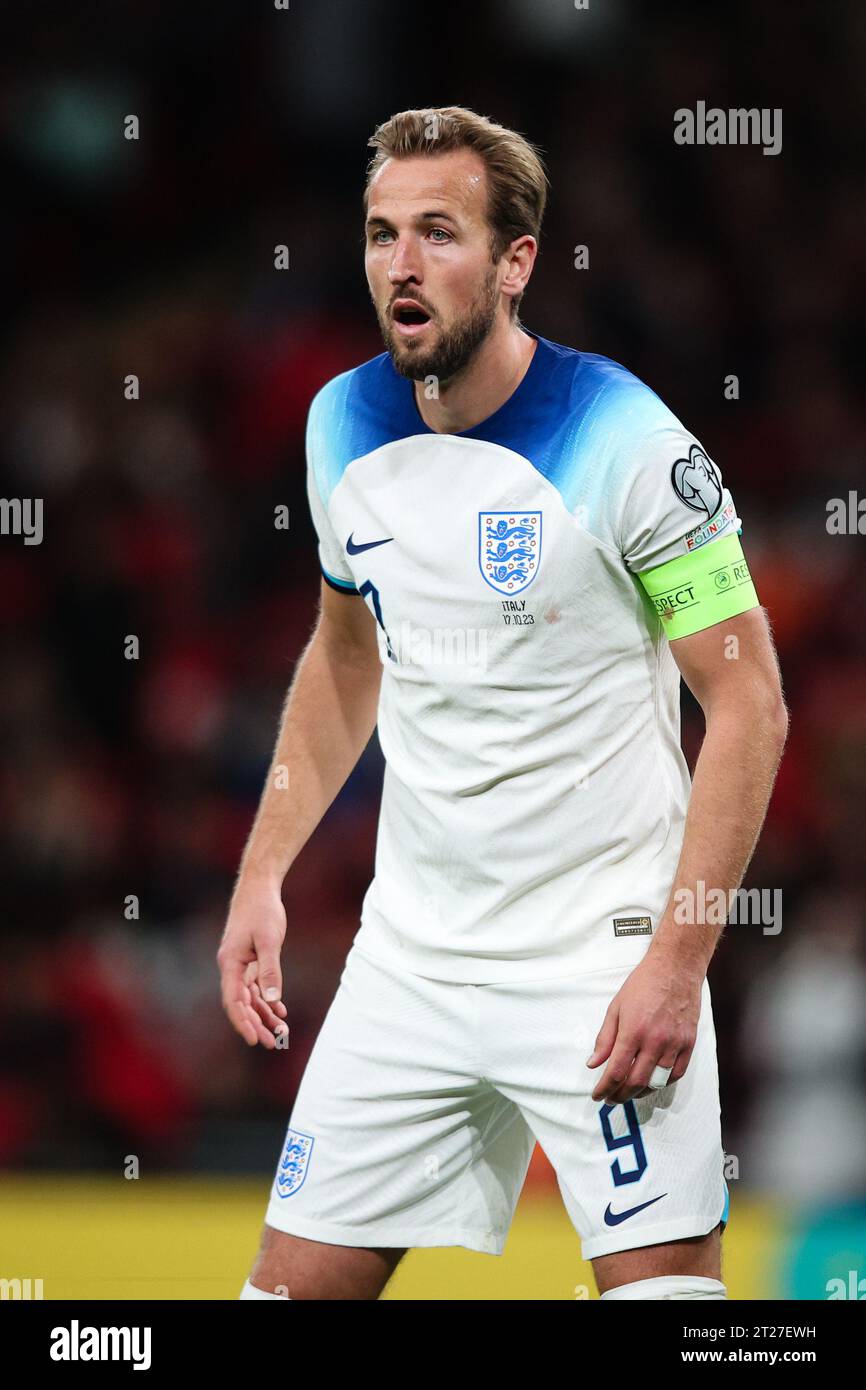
pixel 404 265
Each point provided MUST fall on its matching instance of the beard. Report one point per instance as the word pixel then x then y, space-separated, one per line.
pixel 456 345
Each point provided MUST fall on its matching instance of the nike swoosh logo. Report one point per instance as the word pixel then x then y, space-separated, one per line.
pixel 354 549
pixel 613 1218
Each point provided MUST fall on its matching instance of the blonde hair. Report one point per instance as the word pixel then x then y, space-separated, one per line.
pixel 516 179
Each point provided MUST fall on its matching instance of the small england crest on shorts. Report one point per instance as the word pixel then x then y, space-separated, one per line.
pixel 509 549
pixel 292 1167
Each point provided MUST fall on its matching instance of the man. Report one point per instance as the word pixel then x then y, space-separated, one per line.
pixel 522 549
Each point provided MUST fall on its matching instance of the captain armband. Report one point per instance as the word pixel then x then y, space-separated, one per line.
pixel 696 591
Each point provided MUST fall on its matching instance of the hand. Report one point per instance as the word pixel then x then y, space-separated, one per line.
pixel 651 1022
pixel 249 962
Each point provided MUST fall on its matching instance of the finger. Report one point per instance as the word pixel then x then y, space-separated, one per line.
pixel 640 1073
pixel 235 997
pixel 259 1010
pixel 653 1062
pixel 266 1012
pixel 681 1064
pixel 262 1007
pixel 231 979
pixel 240 1020
pixel 606 1036
pixel 255 1032
pixel 616 1071
pixel 245 1014
pixel 264 1034
pixel 250 979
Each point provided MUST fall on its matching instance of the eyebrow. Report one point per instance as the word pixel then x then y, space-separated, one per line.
pixel 434 216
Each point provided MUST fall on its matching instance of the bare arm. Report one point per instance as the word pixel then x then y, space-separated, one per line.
pixel 653 1019
pixel 327 721
pixel 746 727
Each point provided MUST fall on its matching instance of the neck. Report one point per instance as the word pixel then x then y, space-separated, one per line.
pixel 477 392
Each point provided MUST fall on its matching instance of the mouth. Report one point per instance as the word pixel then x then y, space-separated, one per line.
pixel 409 318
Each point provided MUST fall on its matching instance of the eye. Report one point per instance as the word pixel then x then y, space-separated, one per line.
pixel 380 231
pixel 446 235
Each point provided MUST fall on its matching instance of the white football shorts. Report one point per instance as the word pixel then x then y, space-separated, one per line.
pixel 422 1101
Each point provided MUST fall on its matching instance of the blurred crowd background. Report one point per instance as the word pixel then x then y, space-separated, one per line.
pixel 155 257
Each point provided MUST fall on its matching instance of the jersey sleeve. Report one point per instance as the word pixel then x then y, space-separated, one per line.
pixel 332 556
pixel 679 531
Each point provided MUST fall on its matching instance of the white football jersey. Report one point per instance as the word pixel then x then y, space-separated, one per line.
pixel 535 790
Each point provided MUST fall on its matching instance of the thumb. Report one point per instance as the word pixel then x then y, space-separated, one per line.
pixel 605 1040
pixel 269 974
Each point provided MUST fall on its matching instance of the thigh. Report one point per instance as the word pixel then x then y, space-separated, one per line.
pixel 395 1140
pixel 701 1255
pixel 309 1269
pixel 644 1174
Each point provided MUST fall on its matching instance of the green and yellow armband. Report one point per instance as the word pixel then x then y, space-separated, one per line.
pixel 698 590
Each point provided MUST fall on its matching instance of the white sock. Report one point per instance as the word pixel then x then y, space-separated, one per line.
pixel 250 1291
pixel 671 1286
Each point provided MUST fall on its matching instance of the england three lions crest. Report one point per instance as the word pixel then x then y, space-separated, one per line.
pixel 509 549
pixel 292 1168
